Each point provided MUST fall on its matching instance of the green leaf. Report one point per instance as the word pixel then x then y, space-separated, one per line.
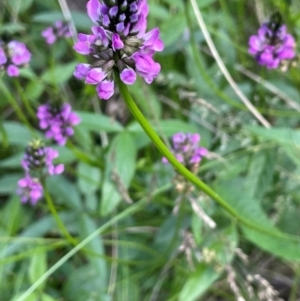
pixel 97 123
pixel 20 6
pixel 83 284
pixel 12 162
pixel 89 178
pixel 18 134
pixel 64 192
pixel 37 266
pixel 12 27
pixel 260 174
pixel 59 74
pixel 172 29
pixel 9 183
pixel 278 135
pixel 88 226
pixel 277 242
pixel 11 214
pixel 198 282
pixel 120 160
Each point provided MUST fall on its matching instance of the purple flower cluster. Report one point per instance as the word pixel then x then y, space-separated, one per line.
pixel 30 190
pixel 272 45
pixel 59 30
pixel 37 162
pixel 186 150
pixel 12 56
pixel 119 41
pixel 57 121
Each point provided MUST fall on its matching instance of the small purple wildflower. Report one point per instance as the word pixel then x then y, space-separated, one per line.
pixel 57 121
pixel 12 56
pixel 30 190
pixel 272 44
pixel 37 163
pixel 186 150
pixel 119 41
pixel 59 30
pixel 37 158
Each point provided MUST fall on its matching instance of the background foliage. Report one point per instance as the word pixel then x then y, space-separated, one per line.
pixel 111 163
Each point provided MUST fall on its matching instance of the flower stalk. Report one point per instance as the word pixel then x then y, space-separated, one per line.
pixel 138 115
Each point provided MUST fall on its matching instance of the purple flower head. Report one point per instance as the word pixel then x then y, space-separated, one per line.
pixel 30 190
pixel 60 29
pixel 12 56
pixel 186 149
pixel 57 121
pixel 118 42
pixel 272 44
pixel 121 16
pixel 18 53
pixel 38 159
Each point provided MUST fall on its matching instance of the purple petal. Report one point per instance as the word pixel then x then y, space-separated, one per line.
pixel 117 43
pixel 95 76
pixel 93 10
pixel 105 89
pixel 81 71
pixel 128 76
pixel 12 71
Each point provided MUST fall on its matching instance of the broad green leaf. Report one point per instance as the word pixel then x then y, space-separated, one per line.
pixel 39 228
pixel 12 162
pixel 18 134
pixel 64 192
pixel 34 90
pixel 37 266
pixel 260 174
pixel 278 135
pixel 168 34
pixel 88 178
pixel 20 6
pixel 158 11
pixel 97 123
pixel 9 183
pixel 83 284
pixel 11 215
pixel 198 282
pixel 120 162
pixel 59 74
pixel 88 226
pixel 12 27
pixel 275 242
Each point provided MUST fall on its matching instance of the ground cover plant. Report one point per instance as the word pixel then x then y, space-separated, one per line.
pixel 150 150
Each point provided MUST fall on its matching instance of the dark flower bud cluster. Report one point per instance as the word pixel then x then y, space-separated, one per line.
pixel 37 162
pixel 118 42
pixel 272 45
pixel 187 151
pixel 13 55
pixel 57 120
pixel 60 29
